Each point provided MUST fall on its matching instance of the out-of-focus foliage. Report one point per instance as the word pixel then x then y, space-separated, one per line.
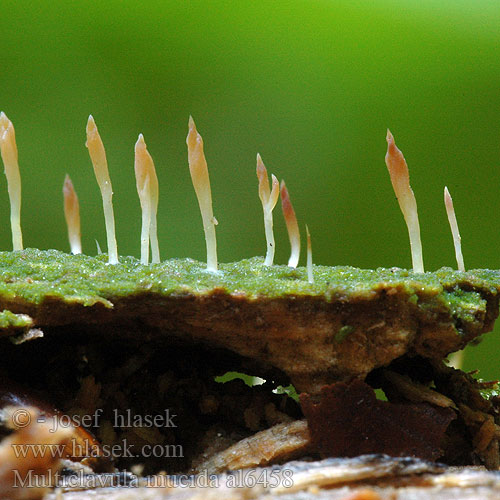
pixel 311 85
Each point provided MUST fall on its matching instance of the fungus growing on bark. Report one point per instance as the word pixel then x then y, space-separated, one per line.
pixel 201 183
pixel 8 150
pixel 400 178
pixel 72 216
pixel 291 226
pixel 353 332
pixel 269 198
pixel 98 157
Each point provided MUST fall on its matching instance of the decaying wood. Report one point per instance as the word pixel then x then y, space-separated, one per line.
pixel 170 347
pixel 297 335
pixel 277 444
pixel 348 420
pixel 369 477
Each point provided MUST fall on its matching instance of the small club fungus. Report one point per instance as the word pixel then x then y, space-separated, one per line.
pixel 269 198
pixel 98 157
pixel 400 178
pixel 153 231
pixel 8 149
pixel 147 188
pixel 310 276
pixel 452 218
pixel 72 215
pixel 201 182
pixel 291 226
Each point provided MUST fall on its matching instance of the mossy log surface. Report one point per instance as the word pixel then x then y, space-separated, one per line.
pixel 347 323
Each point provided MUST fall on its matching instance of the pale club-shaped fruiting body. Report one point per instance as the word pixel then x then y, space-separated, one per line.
pixel 147 188
pixel 452 219
pixel 8 149
pixel 269 198
pixel 153 229
pixel 72 216
pixel 201 183
pixel 400 178
pixel 100 164
pixel 291 226
pixel 310 276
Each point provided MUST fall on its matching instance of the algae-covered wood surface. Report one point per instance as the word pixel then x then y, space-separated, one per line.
pixel 311 332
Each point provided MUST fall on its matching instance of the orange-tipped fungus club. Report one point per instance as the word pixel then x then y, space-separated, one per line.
pixel 452 219
pixel 8 149
pixel 400 178
pixel 201 183
pixel 72 215
pixel 147 188
pixel 100 164
pixel 291 226
pixel 269 198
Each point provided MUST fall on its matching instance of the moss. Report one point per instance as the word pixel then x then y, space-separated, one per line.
pixel 490 392
pixel 343 333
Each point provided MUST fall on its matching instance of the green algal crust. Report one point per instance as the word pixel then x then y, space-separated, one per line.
pixel 9 320
pixel 464 304
pixel 347 323
pixel 32 275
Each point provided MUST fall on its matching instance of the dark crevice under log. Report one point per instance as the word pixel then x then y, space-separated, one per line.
pixel 313 341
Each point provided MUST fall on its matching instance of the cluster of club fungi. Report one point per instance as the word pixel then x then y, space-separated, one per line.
pixel 365 350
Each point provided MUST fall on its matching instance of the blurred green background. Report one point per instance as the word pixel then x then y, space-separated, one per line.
pixel 311 85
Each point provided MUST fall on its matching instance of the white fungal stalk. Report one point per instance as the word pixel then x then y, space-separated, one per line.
pixel 147 188
pixel 269 198
pixel 142 184
pixel 153 229
pixel 310 276
pixel 8 149
pixel 400 178
pixel 98 157
pixel 72 215
pixel 201 182
pixel 145 196
pixel 452 219
pixel 291 226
